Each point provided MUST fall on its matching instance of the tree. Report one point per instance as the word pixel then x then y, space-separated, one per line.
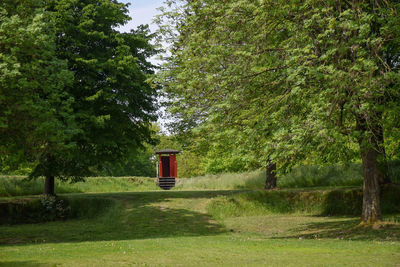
pixel 221 64
pixel 34 108
pixel 139 162
pixel 111 104
pixel 299 79
pixel 346 62
pixel 207 79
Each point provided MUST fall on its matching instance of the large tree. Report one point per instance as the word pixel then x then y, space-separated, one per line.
pixel 346 66
pixel 291 79
pixel 111 105
pixel 35 110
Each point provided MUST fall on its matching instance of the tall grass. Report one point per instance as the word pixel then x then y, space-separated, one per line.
pixel 20 185
pixel 344 201
pixel 248 180
pixel 319 176
pixel 300 177
pixel 335 175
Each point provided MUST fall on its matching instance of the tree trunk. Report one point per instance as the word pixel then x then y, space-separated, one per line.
pixel 371 211
pixel 49 186
pixel 383 172
pixel 270 175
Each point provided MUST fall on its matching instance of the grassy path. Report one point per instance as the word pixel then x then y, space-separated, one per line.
pixel 173 228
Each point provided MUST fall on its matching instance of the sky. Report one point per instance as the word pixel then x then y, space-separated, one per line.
pixel 142 12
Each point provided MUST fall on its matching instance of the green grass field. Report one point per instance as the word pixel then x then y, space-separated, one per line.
pixel 21 186
pixel 199 228
pixel 309 176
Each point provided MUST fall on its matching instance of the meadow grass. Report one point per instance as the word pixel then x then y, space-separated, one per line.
pixel 224 181
pixel 171 228
pixel 21 185
pixel 335 175
pixel 326 202
pixel 229 222
pixel 300 177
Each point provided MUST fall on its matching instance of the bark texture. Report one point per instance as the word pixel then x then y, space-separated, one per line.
pixel 270 176
pixel 49 186
pixel 383 173
pixel 371 189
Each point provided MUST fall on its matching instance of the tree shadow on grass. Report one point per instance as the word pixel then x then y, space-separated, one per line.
pixel 153 196
pixel 345 228
pixel 136 215
pixel 24 264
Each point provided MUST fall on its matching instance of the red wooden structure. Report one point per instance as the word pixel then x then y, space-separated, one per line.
pixel 167 168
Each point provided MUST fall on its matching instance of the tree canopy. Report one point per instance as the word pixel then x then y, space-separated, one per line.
pixel 289 80
pixel 89 102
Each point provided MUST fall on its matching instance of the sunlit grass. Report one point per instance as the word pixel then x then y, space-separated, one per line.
pixel 336 175
pixel 349 175
pixel 174 228
pixel 20 185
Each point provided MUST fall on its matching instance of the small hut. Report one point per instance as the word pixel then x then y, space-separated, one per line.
pixel 167 168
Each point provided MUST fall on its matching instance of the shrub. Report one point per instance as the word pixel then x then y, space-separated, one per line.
pixel 43 209
pixel 54 208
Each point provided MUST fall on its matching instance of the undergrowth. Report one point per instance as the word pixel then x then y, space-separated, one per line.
pixel 48 208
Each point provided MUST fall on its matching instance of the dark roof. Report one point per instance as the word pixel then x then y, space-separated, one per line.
pixel 168 151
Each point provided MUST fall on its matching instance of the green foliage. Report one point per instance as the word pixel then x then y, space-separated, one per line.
pixel 113 103
pixel 74 94
pixel 189 163
pixel 280 83
pixel 46 208
pixel 55 208
pixel 138 163
pixel 35 109
pixel 288 81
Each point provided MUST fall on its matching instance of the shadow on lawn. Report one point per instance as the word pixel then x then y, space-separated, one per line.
pixel 346 228
pixel 23 264
pixel 136 215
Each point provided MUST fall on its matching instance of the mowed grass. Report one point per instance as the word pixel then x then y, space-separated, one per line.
pixel 180 228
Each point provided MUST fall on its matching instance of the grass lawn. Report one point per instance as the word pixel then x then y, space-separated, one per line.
pixel 175 228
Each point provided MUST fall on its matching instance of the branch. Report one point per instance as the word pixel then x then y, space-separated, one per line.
pixel 264 71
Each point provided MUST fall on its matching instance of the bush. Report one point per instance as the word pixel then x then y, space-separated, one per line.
pixel 49 208
pixel 43 209
pixel 54 208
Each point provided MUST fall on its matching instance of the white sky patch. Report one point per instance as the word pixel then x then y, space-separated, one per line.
pixel 142 12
